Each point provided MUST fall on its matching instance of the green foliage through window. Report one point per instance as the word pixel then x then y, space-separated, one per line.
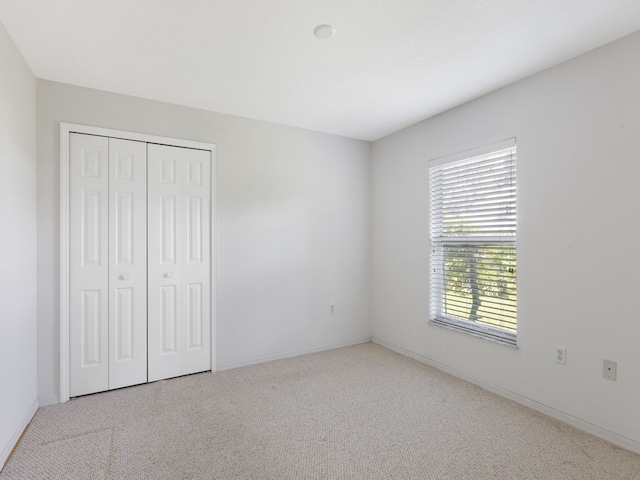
pixel 480 284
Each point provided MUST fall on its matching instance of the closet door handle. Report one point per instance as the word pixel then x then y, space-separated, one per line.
pixel 168 275
pixel 124 276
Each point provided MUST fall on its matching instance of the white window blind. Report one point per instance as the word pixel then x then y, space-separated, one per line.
pixel 473 244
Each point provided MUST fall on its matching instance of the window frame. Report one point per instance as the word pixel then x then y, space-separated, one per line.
pixel 437 259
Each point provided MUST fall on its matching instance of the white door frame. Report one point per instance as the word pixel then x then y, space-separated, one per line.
pixel 65 130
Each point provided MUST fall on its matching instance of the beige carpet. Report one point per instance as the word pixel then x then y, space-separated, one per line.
pixel 361 412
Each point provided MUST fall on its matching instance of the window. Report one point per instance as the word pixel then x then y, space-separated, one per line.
pixel 472 200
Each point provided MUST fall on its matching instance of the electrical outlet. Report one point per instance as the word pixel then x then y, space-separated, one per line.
pixel 561 355
pixel 332 309
pixel 610 369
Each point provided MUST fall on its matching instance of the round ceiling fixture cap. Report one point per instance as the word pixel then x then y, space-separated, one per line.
pixel 324 32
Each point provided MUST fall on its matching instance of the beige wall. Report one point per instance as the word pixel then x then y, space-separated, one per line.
pixel 18 394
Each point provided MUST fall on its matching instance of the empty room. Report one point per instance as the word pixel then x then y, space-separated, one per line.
pixel 319 239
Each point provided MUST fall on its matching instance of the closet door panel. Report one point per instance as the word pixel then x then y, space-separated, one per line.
pixel 127 263
pixel 89 264
pixel 196 271
pixel 164 269
pixel 179 261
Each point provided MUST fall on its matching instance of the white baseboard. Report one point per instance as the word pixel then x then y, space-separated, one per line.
pixel 18 433
pixel 578 423
pixel 291 353
pixel 48 401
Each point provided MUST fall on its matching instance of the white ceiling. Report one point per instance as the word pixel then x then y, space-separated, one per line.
pixel 390 64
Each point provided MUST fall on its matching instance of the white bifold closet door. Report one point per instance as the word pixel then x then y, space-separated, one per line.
pixel 140 266
pixel 179 261
pixel 108 264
